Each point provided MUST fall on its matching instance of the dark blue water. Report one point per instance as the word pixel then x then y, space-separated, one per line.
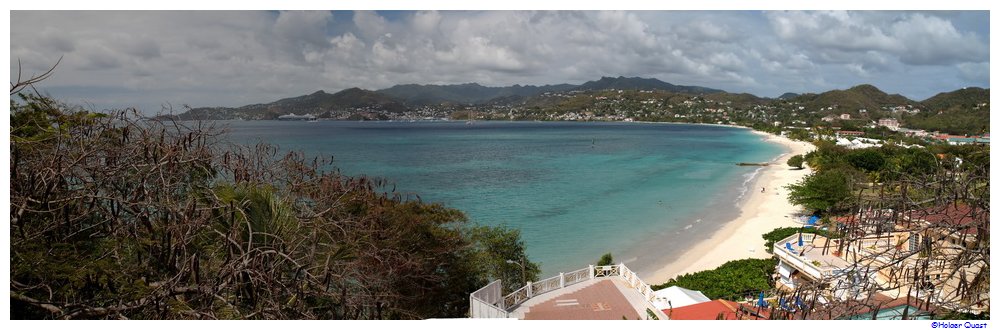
pixel 575 190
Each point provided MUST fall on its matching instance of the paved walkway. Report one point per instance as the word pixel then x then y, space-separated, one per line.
pixel 602 300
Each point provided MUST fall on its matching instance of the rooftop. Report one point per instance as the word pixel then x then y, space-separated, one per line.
pixel 719 309
pixel 605 298
pixel 814 256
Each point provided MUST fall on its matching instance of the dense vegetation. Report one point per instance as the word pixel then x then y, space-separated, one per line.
pixel 734 280
pixel 114 217
pixel 842 174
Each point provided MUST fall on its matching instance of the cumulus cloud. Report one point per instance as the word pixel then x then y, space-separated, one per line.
pixel 237 58
pixel 913 38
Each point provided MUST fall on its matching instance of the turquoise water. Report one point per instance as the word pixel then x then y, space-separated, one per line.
pixel 575 190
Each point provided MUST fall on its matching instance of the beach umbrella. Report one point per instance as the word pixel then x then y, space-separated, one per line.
pixel 760 301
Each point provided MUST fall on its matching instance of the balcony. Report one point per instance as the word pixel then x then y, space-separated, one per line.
pixel 809 257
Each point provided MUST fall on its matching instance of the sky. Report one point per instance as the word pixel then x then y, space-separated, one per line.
pixel 153 60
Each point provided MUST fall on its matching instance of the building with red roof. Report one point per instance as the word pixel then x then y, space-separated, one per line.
pixel 719 309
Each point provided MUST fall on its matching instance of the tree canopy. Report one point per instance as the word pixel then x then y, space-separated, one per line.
pixel 823 190
pixel 733 280
pixel 795 161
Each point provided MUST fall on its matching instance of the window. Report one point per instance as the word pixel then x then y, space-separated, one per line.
pixel 914 242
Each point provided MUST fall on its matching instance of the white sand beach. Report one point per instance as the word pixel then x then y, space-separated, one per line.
pixel 759 214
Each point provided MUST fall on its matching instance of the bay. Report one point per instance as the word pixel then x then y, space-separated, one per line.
pixel 576 190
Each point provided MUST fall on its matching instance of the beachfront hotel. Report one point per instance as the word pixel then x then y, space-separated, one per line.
pixel 893 257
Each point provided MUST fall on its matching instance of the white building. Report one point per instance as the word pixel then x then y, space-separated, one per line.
pixel 676 296
pixel 890 123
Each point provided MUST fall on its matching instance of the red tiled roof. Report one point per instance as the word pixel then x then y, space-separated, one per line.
pixel 711 310
pixel 951 215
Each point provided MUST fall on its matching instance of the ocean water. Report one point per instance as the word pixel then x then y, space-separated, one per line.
pixel 642 192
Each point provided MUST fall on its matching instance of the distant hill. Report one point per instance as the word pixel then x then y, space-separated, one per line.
pixel 787 96
pixel 464 93
pixel 963 98
pixel 963 111
pixel 853 100
pixel 644 84
pixel 352 98
pixel 319 103
pixel 476 94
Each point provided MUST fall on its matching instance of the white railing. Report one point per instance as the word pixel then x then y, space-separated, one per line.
pixel 605 271
pixel 576 276
pixel 799 262
pixel 517 297
pixel 635 282
pixel 483 302
pixel 486 303
pixel 546 285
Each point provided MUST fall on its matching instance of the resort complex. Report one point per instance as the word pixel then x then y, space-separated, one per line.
pixel 925 257
pixel 879 264
pixel 922 257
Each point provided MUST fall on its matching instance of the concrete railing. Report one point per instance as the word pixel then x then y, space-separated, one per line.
pixel 799 262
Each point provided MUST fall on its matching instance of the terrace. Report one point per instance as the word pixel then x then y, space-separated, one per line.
pixel 809 257
pixel 597 292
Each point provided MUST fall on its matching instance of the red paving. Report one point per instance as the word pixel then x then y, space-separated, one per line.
pixel 600 301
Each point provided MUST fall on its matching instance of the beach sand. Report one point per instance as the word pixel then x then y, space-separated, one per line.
pixel 759 214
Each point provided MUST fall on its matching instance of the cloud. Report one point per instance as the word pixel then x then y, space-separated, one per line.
pixel 913 38
pixel 932 40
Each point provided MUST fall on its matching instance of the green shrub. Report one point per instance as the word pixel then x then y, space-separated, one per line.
pixel 733 280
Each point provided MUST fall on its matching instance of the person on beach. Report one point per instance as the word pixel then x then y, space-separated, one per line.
pixel 761 189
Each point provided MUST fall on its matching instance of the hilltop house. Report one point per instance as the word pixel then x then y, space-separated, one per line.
pixel 890 123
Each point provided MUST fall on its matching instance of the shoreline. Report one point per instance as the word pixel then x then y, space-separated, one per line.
pixel 759 213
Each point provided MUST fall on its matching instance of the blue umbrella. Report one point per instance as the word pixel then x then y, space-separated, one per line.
pixel 760 301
